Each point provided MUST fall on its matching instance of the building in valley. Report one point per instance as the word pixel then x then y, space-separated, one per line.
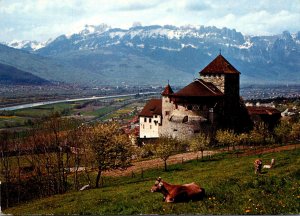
pixel 211 102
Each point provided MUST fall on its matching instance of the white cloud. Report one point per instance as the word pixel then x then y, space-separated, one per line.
pixel 41 19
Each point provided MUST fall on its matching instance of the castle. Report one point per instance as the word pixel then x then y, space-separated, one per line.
pixel 211 102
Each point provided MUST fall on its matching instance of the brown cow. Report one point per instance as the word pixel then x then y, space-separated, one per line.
pixel 257 166
pixel 178 193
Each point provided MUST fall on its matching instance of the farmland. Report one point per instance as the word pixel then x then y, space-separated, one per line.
pixel 102 109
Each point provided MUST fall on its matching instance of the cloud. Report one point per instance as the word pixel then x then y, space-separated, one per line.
pixel 259 23
pixel 41 19
pixel 135 6
pixel 194 5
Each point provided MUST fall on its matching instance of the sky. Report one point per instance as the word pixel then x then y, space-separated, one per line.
pixel 41 20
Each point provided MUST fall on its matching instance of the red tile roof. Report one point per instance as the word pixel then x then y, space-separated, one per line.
pixel 199 88
pixel 167 91
pixel 219 66
pixel 153 107
pixel 262 111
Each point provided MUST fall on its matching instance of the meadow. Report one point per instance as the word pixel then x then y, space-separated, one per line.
pixel 230 183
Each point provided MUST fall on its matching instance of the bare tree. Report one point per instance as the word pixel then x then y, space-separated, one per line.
pixel 6 163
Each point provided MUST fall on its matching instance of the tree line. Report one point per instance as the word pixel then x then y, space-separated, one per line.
pixel 59 154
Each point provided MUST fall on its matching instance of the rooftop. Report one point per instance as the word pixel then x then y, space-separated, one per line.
pixel 252 110
pixel 219 66
pixel 167 91
pixel 153 107
pixel 199 88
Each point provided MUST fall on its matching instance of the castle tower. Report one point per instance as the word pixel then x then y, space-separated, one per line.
pixel 167 105
pixel 224 76
pixel 227 79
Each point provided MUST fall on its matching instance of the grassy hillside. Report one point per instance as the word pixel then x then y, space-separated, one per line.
pixel 45 68
pixel 230 184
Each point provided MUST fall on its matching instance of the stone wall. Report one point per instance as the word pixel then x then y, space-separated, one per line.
pixel 217 80
pixel 181 122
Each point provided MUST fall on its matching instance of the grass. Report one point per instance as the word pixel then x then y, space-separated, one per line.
pixel 230 183
pixel 100 112
pixel 12 121
pixel 46 110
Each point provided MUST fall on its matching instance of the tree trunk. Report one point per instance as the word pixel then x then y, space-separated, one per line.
pixel 165 163
pixel 98 178
pixel 202 154
pixel 19 175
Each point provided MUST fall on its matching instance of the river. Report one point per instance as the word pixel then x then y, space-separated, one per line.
pixel 23 106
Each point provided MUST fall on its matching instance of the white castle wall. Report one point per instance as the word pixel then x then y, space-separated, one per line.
pixel 150 126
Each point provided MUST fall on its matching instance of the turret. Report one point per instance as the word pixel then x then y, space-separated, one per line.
pixel 167 105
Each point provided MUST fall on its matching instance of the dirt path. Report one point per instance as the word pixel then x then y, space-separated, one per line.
pixel 140 166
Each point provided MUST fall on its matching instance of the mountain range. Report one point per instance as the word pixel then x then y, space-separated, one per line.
pixel 143 55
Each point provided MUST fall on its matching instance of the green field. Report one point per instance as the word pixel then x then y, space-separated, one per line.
pixel 99 112
pixel 12 121
pixel 230 183
pixel 21 117
pixel 46 110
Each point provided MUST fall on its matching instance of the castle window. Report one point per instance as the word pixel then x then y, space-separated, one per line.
pixel 150 126
pixel 185 119
pixel 150 120
pixel 143 126
pixel 145 119
pixel 167 112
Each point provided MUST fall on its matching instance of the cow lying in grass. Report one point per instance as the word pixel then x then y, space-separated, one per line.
pixel 178 193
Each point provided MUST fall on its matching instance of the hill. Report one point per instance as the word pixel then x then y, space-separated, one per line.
pixel 45 67
pixel 12 76
pixel 230 183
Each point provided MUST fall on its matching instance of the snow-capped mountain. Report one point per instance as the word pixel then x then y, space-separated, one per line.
pixel 183 50
pixel 165 37
pixel 27 44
